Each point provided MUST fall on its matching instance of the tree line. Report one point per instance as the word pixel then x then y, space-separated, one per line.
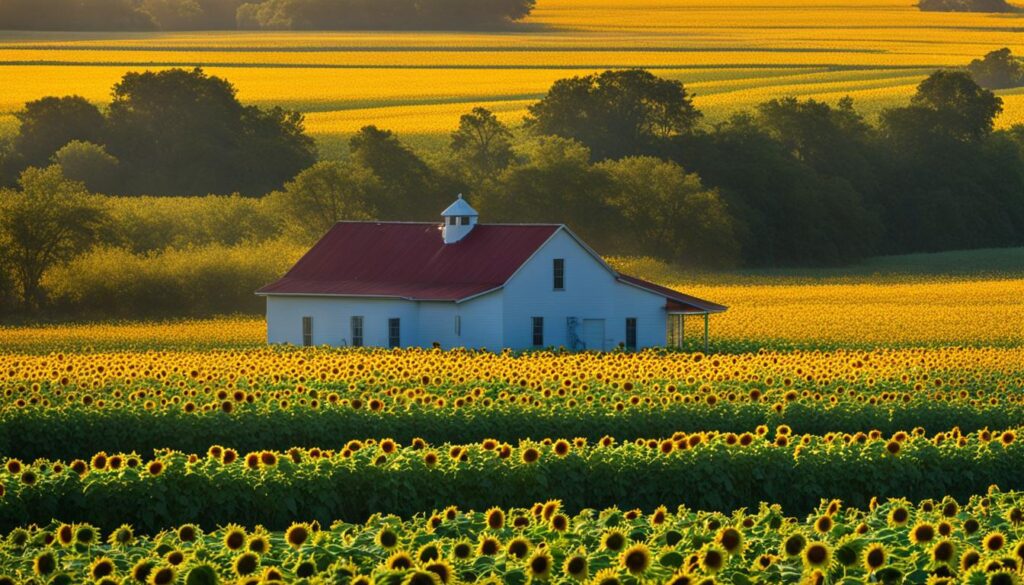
pixel 623 157
pixel 168 15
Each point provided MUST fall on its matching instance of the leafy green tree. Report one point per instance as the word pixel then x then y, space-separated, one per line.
pixel 997 70
pixel 49 123
pixel 948 104
pixel 47 221
pixel 615 113
pixel 184 132
pixel 89 163
pixel 411 188
pixel 482 145
pixel 668 214
pixel 555 183
pixel 324 194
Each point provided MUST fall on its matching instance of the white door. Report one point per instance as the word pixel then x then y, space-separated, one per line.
pixel 593 334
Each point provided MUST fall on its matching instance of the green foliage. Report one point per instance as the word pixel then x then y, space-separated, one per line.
pixel 615 113
pixel 195 281
pixel 705 471
pixel 667 213
pixel 997 70
pixel 89 163
pixel 966 6
pixel 324 194
pixel 48 221
pixel 49 123
pixel 482 146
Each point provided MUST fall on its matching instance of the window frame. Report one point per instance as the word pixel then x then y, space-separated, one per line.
pixel 355 324
pixel 307 331
pixel 463 220
pixel 558 274
pixel 631 333
pixel 394 332
pixel 537 331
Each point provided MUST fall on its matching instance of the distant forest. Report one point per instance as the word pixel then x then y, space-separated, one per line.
pixel 966 6
pixel 170 15
pixel 622 157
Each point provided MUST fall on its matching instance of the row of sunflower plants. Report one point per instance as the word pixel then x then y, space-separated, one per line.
pixel 707 470
pixel 64 422
pixel 936 541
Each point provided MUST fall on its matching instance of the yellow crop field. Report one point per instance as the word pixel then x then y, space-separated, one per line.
pixel 733 54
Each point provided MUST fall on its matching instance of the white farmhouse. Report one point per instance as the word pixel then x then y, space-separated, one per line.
pixel 466 284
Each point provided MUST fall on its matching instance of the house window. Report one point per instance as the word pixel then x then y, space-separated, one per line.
pixel 630 332
pixel 538 331
pixel 394 332
pixel 357 331
pixel 558 272
pixel 307 331
pixel 451 220
pixel 464 220
pixel 458 325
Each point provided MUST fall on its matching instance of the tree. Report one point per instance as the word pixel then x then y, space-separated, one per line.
pixel 555 183
pixel 965 6
pixel 997 70
pixel 49 123
pixel 669 214
pixel 482 145
pixel 326 193
pixel 949 103
pixel 615 113
pixel 90 164
pixel 48 221
pixel 410 186
pixel 174 14
pixel 184 132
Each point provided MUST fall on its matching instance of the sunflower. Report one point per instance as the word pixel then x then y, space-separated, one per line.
pixel 817 555
pixel 875 557
pixel 66 534
pixel 921 533
pixel 305 569
pixel 971 525
pixel 187 532
pixel 442 569
pixel 421 577
pixel 712 559
pixel 386 538
pixel 518 547
pixel 680 578
pixel 259 544
pixel 530 455
pixel 969 558
pixel 174 558
pixel 86 534
pixel 606 577
pixel 943 552
pixel 576 566
pixel 613 540
pixel 142 569
pixel 793 545
pixel 297 534
pixel 993 541
pixel 399 561
pixel 730 539
pixel 539 565
pixel 462 550
pixel 162 576
pixel 101 567
pixel 1003 577
pixel 44 563
pixel 823 525
pixel 559 522
pixel 202 575
pixel 495 518
pixel 899 516
pixel 246 564
pixel 234 537
pixel 636 559
pixel 489 546
pixel 428 552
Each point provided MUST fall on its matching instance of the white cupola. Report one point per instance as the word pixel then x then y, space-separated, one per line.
pixel 459 220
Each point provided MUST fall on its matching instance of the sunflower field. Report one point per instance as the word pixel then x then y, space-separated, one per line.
pixel 230 462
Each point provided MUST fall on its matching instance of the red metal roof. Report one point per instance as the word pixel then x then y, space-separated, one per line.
pixel 677 301
pixel 410 260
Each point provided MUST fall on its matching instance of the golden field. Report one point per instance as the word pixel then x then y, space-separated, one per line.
pixel 772 312
pixel 733 54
